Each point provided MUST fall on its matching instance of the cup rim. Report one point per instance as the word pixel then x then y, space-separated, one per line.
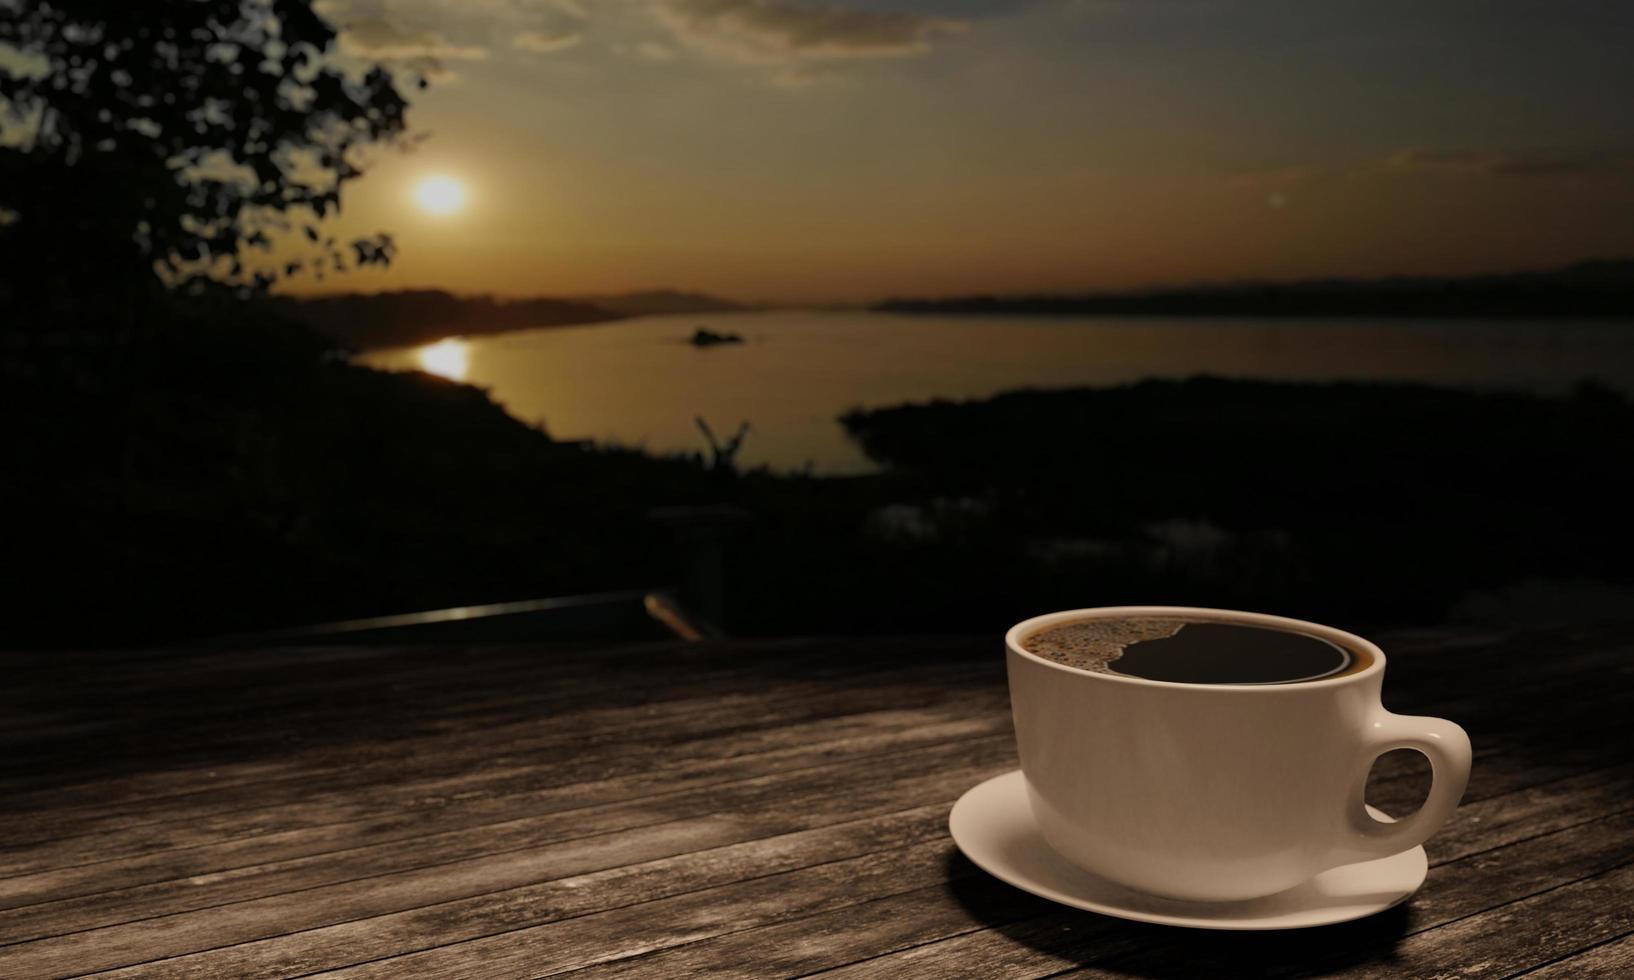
pixel 1012 641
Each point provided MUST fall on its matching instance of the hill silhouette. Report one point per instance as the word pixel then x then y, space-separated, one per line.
pixel 661 302
pixel 1594 288
pixel 361 321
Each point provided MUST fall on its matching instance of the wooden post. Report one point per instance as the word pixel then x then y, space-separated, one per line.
pixel 700 532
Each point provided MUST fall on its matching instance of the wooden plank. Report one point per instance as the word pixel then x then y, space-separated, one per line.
pixel 290 674
pixel 565 719
pixel 210 695
pixel 283 677
pixel 863 931
pixel 1518 935
pixel 338 768
pixel 559 946
pixel 95 895
pixel 476 780
pixel 563 742
pixel 470 921
pixel 487 797
pixel 378 705
pixel 862 922
pixel 59 883
pixel 888 777
pixel 567 900
pixel 122 677
pixel 428 771
pixel 1524 813
pixel 497 807
pixel 373 681
pixel 802 803
pixel 253 797
pixel 242 881
pixel 314 907
pixel 866 932
pixel 1612 960
pixel 821 882
pixel 1058 940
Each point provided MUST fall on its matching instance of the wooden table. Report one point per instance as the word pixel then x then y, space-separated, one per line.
pixel 737 808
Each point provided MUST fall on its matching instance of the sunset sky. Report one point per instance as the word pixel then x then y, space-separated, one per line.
pixel 783 151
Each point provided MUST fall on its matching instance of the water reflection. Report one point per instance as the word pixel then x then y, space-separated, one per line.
pixel 638 382
pixel 448 358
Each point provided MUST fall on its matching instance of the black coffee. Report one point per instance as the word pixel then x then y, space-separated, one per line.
pixel 1193 651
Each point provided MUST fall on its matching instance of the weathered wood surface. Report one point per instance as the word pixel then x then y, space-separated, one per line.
pixel 742 808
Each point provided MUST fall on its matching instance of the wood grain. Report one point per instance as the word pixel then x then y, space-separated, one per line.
pixel 735 809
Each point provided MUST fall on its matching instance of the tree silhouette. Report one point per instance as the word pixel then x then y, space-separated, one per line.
pixel 164 143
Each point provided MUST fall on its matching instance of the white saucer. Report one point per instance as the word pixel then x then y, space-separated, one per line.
pixel 993 825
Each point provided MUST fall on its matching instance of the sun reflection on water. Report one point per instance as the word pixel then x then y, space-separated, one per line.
pixel 449 358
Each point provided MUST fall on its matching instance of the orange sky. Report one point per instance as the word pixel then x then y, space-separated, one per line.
pixel 769 150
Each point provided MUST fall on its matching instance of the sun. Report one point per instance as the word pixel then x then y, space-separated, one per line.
pixel 439 195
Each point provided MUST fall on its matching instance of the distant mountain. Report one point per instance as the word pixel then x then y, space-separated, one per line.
pixel 398 319
pixel 660 302
pixel 1600 288
pixel 414 316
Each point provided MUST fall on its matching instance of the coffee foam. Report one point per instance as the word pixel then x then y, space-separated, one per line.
pixel 1093 644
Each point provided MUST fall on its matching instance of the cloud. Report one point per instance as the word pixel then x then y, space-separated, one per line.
pixel 545 42
pixel 420 30
pixel 379 39
pixel 779 31
pixel 1500 164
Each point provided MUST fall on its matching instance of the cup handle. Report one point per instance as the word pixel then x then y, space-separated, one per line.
pixel 1447 748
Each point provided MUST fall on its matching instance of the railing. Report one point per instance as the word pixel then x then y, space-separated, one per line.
pixel 634 614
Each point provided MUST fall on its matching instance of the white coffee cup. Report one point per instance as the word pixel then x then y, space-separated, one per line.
pixel 1217 792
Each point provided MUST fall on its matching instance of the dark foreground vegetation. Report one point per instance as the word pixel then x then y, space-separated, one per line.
pixel 229 472
pixel 1364 503
pixel 1603 288
pixel 221 475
